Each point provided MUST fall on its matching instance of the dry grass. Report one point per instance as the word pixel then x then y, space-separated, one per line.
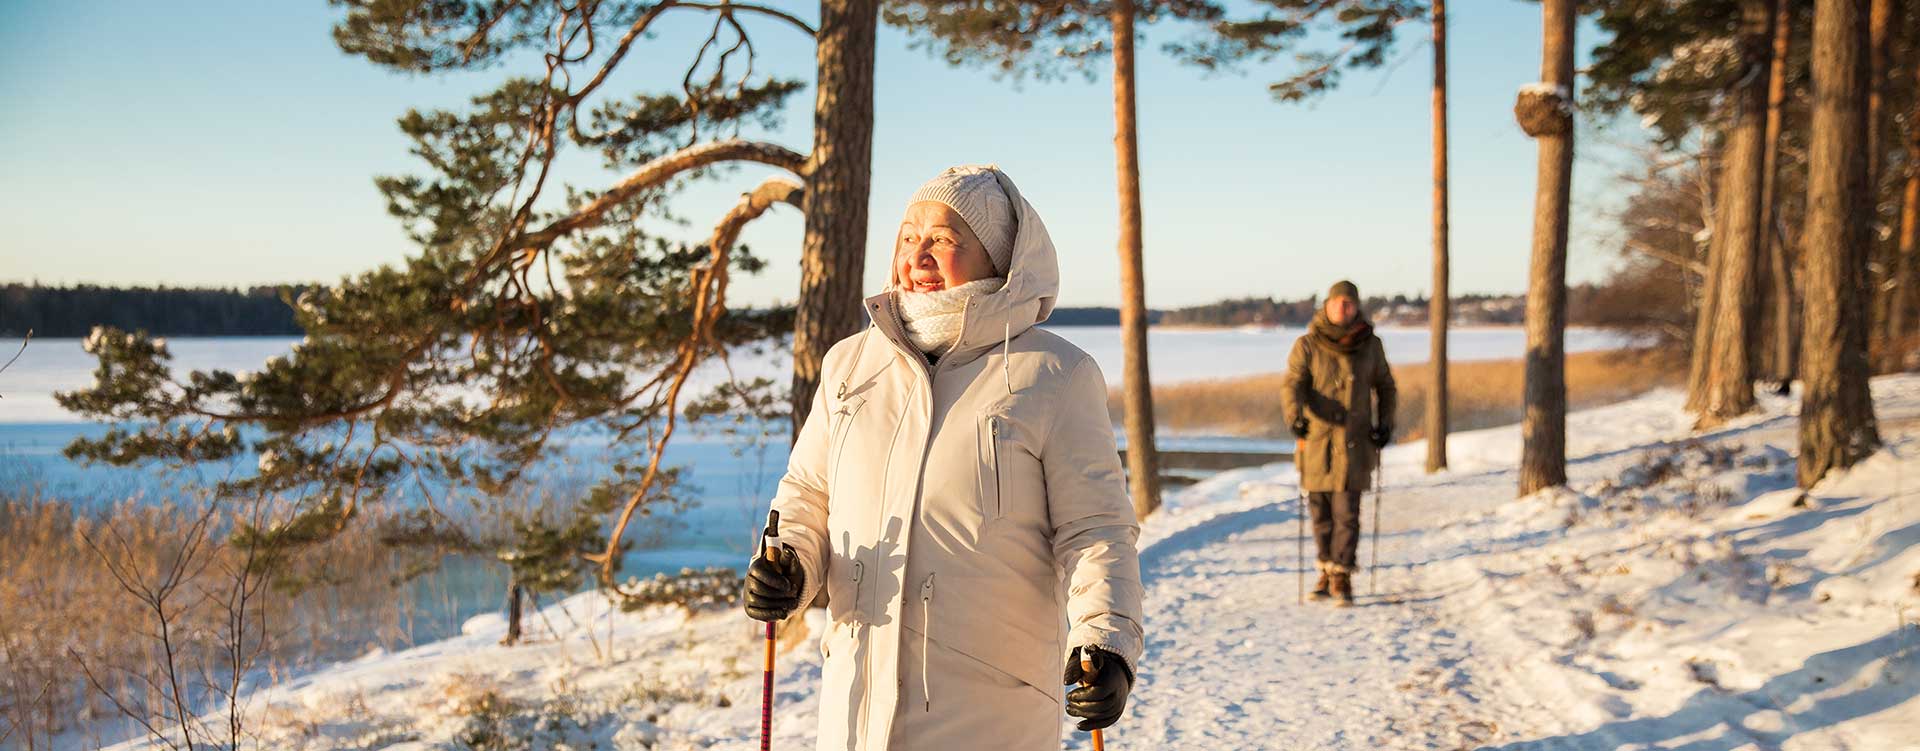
pixel 1484 394
pixel 65 614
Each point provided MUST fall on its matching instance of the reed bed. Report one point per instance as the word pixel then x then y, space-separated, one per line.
pixel 1484 394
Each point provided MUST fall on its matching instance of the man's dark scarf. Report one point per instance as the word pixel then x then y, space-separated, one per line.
pixel 1343 339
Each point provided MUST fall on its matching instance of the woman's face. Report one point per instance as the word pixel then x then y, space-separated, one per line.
pixel 936 250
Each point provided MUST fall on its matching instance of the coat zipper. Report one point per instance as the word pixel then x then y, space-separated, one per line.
pixel 993 450
pixel 926 393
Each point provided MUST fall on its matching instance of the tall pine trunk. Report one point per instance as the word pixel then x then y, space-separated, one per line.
pixel 1143 461
pixel 1784 346
pixel 1438 308
pixel 1543 430
pixel 839 178
pixel 1733 317
pixel 1836 412
pixel 1904 262
pixel 1880 33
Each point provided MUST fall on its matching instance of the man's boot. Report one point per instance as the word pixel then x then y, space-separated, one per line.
pixel 1322 587
pixel 1342 589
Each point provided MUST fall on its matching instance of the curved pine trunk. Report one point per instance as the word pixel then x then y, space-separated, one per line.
pixel 1836 411
pixel 839 175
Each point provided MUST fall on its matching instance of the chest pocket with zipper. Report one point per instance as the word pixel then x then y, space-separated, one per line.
pixel 991 485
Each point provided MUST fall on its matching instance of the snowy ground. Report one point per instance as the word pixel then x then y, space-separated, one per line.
pixel 1681 595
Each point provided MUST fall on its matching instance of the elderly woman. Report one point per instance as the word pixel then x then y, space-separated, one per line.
pixel 957 492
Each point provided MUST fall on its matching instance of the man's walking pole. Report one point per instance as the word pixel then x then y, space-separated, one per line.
pixel 1300 547
pixel 1373 567
pixel 771 549
pixel 1086 679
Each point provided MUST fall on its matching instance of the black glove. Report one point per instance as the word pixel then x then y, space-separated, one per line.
pixel 1300 428
pixel 1381 436
pixel 773 589
pixel 1101 701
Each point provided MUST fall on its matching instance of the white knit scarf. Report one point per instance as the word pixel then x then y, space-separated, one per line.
pixel 933 318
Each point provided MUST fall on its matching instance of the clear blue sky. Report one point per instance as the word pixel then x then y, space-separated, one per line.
pixel 231 143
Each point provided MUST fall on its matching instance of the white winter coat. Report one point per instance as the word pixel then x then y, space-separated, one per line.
pixel 969 520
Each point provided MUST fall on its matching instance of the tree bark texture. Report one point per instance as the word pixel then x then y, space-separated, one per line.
pixel 1784 346
pixel 1836 413
pixel 1439 306
pixel 1734 317
pixel 839 175
pixel 1143 465
pixel 1543 430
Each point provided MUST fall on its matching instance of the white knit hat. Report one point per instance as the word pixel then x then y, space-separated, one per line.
pixel 974 193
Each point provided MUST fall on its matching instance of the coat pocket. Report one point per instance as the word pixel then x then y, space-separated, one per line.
pixel 837 435
pixel 988 478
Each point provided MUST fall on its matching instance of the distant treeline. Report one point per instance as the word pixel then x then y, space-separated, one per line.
pixel 1093 317
pixel 160 311
pixel 261 311
pixel 1398 310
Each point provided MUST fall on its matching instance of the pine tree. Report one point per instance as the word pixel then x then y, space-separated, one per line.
pixel 839 178
pixel 1836 411
pixel 1732 313
pixel 1545 112
pixel 1439 305
pixel 531 308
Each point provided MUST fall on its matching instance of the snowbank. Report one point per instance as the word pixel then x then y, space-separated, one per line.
pixel 1679 594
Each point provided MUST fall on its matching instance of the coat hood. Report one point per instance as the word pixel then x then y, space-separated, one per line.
pixel 1033 283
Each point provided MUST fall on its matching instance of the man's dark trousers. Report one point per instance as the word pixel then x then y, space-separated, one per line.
pixel 1336 527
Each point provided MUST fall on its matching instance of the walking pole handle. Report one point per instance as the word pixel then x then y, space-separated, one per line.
pixel 1086 679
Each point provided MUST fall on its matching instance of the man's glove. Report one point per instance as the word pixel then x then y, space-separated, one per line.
pixel 1381 436
pixel 1100 702
pixel 1300 428
pixel 773 589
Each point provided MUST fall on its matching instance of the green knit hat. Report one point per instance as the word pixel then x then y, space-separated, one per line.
pixel 1344 288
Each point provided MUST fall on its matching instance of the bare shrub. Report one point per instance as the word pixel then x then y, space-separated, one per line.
pixel 147 612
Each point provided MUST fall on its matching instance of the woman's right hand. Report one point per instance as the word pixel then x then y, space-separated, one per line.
pixel 774 587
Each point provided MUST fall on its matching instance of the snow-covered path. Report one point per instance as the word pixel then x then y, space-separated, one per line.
pixel 1236 663
pixel 1679 594
pixel 1675 598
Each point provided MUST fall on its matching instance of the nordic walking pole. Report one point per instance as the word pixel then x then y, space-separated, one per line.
pixel 1086 679
pixel 771 549
pixel 1373 567
pixel 1300 548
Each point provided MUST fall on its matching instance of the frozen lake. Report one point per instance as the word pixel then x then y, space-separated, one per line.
pixel 49 365
pixel 732 485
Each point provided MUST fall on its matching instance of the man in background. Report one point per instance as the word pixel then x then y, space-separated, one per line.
pixel 1339 397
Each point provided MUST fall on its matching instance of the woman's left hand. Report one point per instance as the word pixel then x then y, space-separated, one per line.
pixel 1104 696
